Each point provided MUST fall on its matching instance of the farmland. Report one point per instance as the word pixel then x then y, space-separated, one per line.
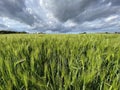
pixel 60 62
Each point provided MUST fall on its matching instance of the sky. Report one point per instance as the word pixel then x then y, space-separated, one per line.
pixel 60 16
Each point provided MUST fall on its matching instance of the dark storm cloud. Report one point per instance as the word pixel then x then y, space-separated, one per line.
pixel 66 9
pixel 83 9
pixel 114 2
pixel 97 13
pixel 15 9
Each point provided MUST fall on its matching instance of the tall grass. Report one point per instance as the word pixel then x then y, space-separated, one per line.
pixel 60 62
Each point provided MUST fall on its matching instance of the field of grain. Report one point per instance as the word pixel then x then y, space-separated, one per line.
pixel 60 62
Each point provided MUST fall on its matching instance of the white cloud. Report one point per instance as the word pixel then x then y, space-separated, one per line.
pixel 111 18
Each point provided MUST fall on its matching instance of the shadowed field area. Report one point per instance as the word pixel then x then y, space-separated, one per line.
pixel 60 62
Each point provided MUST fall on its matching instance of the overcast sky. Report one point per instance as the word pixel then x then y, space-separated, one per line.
pixel 60 16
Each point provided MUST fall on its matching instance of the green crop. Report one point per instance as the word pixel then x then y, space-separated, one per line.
pixel 60 62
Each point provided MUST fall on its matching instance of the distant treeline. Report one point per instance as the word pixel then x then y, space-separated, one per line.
pixel 15 32
pixel 11 32
pixel 103 33
pixel 117 32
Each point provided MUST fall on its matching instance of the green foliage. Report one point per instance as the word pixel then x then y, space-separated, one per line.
pixel 60 62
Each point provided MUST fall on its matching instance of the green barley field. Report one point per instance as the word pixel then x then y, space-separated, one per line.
pixel 60 62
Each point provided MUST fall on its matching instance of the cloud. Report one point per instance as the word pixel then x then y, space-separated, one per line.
pixel 97 13
pixel 60 15
pixel 16 9
pixel 2 26
pixel 67 9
